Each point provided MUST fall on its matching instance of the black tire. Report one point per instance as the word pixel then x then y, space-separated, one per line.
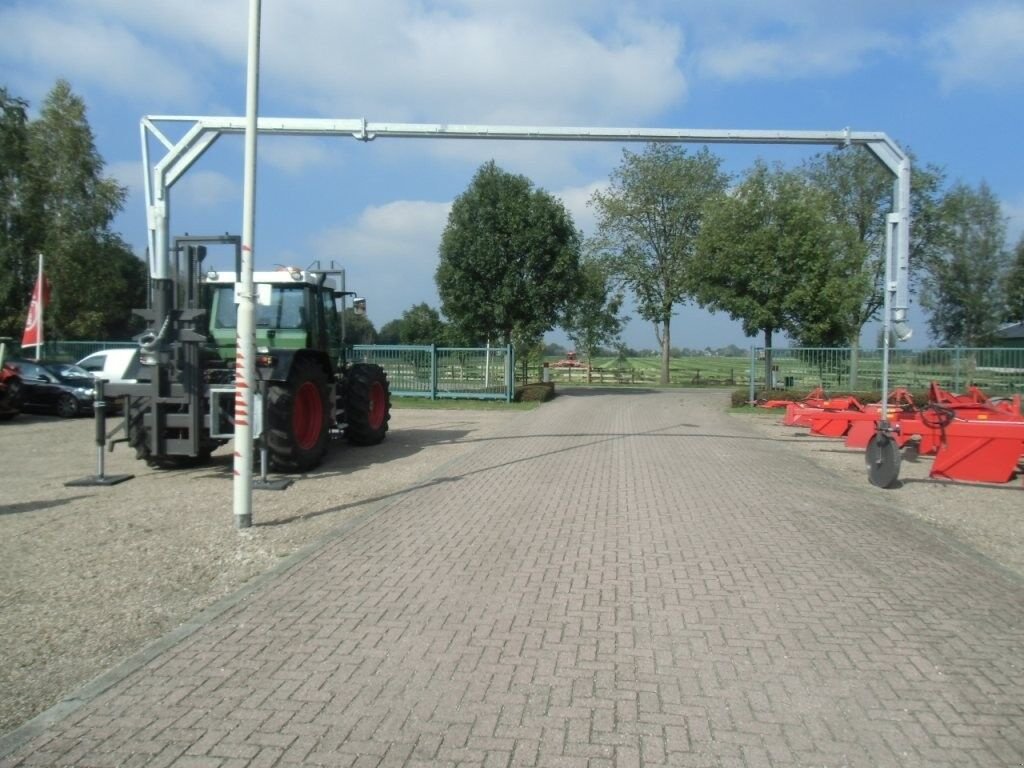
pixel 367 399
pixel 299 418
pixel 67 407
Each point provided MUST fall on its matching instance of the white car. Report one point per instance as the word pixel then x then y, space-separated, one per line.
pixel 110 364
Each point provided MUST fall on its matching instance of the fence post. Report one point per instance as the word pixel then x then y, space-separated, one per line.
pixel 510 374
pixel 753 362
pixel 956 371
pixel 433 371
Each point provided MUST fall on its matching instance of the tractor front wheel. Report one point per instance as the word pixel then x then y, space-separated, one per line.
pixel 298 418
pixel 367 404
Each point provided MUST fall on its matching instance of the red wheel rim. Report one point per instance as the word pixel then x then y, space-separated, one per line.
pixel 308 416
pixel 378 406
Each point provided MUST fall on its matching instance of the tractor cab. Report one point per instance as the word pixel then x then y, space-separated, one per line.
pixel 295 309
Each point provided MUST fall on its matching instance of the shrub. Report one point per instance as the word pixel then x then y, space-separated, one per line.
pixel 535 392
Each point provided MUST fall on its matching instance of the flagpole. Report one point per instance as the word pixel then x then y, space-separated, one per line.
pixel 39 307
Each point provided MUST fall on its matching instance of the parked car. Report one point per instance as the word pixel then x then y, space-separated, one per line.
pixel 61 388
pixel 109 364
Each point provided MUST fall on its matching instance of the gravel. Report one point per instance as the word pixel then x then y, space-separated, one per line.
pixel 88 576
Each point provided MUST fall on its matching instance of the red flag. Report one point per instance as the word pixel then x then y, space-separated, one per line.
pixel 33 326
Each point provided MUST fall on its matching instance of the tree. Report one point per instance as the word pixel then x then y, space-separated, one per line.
pixel 593 319
pixel 770 257
pixel 358 328
pixel 860 193
pixel 648 222
pixel 421 324
pixel 509 260
pixel 1013 288
pixel 17 270
pixel 96 278
pixel 963 285
pixel 390 332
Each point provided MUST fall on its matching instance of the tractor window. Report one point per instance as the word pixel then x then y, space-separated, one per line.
pixel 286 310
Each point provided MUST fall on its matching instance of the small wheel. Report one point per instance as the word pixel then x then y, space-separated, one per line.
pixel 67 407
pixel 883 460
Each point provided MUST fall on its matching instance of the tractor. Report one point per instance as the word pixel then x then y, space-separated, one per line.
pixel 180 406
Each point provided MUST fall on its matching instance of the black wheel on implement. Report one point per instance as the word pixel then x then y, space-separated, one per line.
pixel 883 461
pixel 367 404
pixel 298 418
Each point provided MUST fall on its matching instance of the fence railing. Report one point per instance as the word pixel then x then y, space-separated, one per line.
pixel 444 372
pixel 996 370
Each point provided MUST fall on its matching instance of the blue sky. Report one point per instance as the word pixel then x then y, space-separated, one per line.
pixel 944 78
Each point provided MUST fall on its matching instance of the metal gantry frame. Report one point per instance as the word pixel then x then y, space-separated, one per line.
pixel 203 131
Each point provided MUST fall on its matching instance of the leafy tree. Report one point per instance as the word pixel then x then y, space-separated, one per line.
pixel 421 324
pixel 1013 288
pixel 593 318
pixel 860 192
pixel 648 222
pixel 962 287
pixel 358 328
pixel 770 257
pixel 509 259
pixel 96 278
pixel 17 265
pixel 390 332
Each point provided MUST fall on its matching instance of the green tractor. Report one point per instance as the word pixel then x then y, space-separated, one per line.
pixel 180 406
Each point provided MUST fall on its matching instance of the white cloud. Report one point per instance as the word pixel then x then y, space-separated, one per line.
pixel 799 54
pixel 205 189
pixel 82 48
pixel 576 201
pixel 445 60
pixel 984 46
pixel 389 254
pixel 127 174
pixel 294 154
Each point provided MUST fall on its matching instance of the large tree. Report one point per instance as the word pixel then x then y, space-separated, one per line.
pixel 964 281
pixel 96 278
pixel 648 222
pixel 593 319
pixel 1013 288
pixel 860 193
pixel 770 256
pixel 17 269
pixel 509 259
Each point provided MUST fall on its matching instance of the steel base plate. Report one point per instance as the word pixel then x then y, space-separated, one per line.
pixel 271 485
pixel 98 480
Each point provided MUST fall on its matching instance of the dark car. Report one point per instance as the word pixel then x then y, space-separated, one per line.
pixel 60 388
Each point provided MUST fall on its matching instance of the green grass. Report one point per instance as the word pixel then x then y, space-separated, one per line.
pixel 423 403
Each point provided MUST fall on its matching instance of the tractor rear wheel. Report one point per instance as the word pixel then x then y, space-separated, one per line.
pixel 298 418
pixel 367 404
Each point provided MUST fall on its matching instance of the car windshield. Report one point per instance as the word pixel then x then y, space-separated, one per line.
pixel 69 371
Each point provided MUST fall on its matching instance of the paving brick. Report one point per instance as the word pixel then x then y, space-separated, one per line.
pixel 618 580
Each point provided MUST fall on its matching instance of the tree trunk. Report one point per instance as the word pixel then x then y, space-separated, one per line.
pixel 768 383
pixel 854 361
pixel 666 353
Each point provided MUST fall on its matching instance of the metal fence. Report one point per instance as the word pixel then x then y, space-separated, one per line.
pixel 444 372
pixel 995 370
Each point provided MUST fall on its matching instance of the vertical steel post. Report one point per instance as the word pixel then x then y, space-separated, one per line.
pixel 245 362
pixel 433 371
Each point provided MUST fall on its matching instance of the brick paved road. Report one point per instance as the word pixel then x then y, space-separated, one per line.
pixel 620 580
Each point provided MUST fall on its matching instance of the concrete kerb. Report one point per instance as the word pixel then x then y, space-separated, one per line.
pixel 13 740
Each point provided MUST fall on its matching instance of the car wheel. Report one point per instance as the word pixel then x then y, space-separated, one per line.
pixel 67 407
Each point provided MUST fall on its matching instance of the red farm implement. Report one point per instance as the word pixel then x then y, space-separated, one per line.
pixel 971 437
